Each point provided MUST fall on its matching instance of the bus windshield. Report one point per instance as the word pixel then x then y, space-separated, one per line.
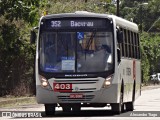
pixel 76 51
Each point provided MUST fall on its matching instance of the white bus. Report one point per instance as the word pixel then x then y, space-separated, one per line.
pixel 86 59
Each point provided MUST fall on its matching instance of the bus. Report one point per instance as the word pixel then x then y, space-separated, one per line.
pixel 86 59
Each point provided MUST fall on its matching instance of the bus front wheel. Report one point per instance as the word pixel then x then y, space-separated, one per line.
pixel 118 107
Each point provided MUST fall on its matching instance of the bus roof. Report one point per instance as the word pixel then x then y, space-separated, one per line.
pixel 125 23
pixel 75 14
pixel 119 21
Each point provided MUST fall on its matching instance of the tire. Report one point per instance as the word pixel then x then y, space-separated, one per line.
pixel 130 105
pixel 118 108
pixel 49 109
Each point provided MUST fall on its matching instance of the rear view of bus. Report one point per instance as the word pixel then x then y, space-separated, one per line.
pixel 76 58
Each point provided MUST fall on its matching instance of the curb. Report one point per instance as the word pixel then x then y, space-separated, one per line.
pixel 149 87
pixel 15 100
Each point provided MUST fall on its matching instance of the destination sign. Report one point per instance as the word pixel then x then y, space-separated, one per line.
pixel 76 23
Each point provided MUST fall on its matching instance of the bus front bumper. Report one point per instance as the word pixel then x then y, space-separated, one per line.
pixel 104 95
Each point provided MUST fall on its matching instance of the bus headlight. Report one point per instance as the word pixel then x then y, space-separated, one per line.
pixel 108 81
pixel 44 82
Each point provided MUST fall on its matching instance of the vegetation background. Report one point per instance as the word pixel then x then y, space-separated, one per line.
pixel 17 17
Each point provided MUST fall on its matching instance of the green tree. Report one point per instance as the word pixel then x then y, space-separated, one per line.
pixel 150 47
pixel 145 14
pixel 16 53
pixel 152 14
pixel 102 6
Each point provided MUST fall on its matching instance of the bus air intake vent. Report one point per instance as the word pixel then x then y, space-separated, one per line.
pixel 85 98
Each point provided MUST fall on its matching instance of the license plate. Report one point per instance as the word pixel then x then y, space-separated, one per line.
pixel 75 96
pixel 62 87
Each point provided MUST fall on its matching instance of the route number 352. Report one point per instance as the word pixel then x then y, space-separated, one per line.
pixel 55 23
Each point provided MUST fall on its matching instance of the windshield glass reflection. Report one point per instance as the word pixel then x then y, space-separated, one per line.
pixel 76 51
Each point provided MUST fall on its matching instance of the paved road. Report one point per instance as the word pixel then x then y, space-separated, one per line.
pixel 147 105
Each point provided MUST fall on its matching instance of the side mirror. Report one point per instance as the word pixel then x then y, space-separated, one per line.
pixel 33 37
pixel 118 55
pixel 120 36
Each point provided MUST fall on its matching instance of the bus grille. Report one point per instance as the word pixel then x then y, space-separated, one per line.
pixel 85 98
pixel 82 86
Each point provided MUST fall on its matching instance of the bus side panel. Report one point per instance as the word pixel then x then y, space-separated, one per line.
pixel 138 79
pixel 123 78
pixel 127 75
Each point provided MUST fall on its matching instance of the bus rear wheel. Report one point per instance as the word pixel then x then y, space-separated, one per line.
pixel 130 105
pixel 49 109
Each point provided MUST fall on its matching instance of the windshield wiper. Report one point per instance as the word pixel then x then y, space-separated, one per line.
pixel 89 43
pixel 65 46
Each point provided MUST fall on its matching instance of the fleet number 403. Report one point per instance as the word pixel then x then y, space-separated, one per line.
pixel 62 87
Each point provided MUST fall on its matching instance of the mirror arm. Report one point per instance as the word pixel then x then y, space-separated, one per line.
pixel 33 35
